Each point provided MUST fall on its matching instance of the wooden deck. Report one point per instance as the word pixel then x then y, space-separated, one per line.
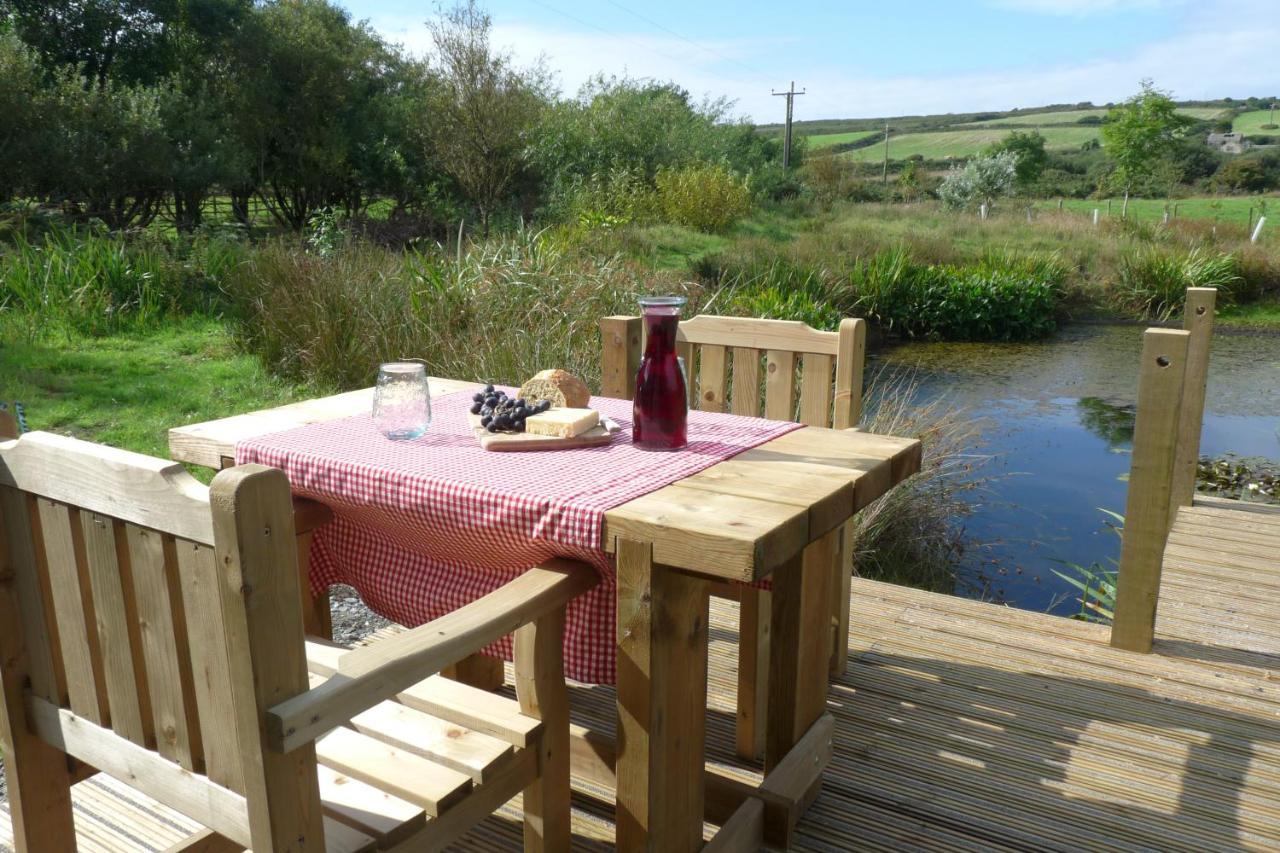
pixel 967 726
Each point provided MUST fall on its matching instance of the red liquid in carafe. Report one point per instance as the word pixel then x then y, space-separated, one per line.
pixel 661 407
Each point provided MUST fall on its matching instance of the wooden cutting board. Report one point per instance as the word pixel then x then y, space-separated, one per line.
pixel 507 442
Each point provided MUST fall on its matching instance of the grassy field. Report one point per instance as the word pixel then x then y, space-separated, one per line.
pixel 1253 121
pixel 826 140
pixel 1230 211
pixel 965 143
pixel 1067 117
pixel 128 390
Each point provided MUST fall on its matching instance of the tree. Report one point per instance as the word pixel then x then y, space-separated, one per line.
pixel 1138 133
pixel 20 87
pixel 983 180
pixel 485 110
pixel 1028 147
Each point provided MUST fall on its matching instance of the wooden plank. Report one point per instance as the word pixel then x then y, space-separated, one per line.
pixel 799 651
pixel 815 391
pixel 480 671
pixel 1147 511
pixel 791 783
pixel 756 333
pixel 119 631
pixel 206 841
pixel 110 482
pixel 256 555
pixel 371 810
pixel 716 534
pixel 841 581
pixel 39 788
pixel 746 382
pixel 1198 321
pixel 755 625
pixel 687 354
pixel 410 777
pixel 153 561
pixel 780 385
pixel 211 676
pixel 741 833
pixel 619 356
pixel 540 686
pixel 317 619
pixel 711 379
pixel 662 678
pixel 825 492
pixel 850 358
pixel 195 796
pixel 385 668
pixel 74 610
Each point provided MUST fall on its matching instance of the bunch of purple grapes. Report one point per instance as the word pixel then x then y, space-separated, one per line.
pixel 500 413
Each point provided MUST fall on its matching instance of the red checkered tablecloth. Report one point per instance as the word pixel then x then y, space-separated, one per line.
pixel 424 527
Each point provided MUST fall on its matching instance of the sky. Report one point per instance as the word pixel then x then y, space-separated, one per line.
pixel 874 58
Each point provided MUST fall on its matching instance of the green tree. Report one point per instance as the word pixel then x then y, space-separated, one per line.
pixel 20 88
pixel 1138 134
pixel 1028 147
pixel 485 109
pixel 982 180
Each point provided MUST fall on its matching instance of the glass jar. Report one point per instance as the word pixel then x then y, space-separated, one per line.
pixel 661 402
pixel 402 400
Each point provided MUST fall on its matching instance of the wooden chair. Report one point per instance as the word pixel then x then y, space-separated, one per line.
pixel 724 357
pixel 151 629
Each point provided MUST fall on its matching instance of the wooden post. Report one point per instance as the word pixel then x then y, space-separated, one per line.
pixel 662 703
pixel 850 363
pixel 539 664
pixel 1147 516
pixel 620 356
pixel 1198 320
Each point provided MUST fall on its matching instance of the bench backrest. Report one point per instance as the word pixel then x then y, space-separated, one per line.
pixel 731 360
pixel 146 623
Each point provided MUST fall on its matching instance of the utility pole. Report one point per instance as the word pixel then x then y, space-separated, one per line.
pixel 886 151
pixel 790 95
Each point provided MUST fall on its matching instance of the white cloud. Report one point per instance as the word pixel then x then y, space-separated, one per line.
pixel 1225 47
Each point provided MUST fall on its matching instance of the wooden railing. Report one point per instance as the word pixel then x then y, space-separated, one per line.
pixel 1162 474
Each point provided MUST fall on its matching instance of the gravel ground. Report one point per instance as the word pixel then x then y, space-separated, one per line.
pixel 352 622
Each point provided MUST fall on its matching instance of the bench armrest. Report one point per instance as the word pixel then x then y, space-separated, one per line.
pixel 372 673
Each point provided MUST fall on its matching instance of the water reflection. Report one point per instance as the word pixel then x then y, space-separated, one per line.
pixel 1059 421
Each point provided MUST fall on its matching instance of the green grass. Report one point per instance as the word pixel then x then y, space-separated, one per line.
pixel 826 140
pixel 965 143
pixel 128 390
pixel 1229 211
pixel 1071 116
pixel 1253 121
pixel 1259 314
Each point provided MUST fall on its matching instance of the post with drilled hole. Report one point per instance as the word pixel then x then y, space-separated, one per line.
pixel 1147 511
pixel 1198 320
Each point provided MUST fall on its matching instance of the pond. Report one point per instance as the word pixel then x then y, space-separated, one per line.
pixel 1057 421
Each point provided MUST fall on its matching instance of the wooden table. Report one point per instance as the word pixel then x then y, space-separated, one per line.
pixel 776 511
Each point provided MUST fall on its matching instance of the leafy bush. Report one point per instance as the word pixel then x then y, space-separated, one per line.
pixel 981 181
pixel 1153 282
pixel 707 197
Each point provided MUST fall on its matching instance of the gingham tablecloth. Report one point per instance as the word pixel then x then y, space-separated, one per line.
pixel 424 527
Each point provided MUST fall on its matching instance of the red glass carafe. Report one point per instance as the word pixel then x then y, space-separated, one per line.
pixel 661 401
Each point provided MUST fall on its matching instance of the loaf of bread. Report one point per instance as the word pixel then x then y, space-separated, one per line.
pixel 563 389
pixel 562 423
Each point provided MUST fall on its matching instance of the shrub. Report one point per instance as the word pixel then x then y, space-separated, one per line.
pixel 706 197
pixel 1153 282
pixel 981 181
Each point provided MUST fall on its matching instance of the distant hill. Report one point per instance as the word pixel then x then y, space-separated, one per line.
pixel 952 135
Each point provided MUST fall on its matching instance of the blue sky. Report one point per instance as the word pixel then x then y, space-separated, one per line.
pixel 859 59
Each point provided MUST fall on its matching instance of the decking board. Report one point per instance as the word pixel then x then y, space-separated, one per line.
pixel 962 725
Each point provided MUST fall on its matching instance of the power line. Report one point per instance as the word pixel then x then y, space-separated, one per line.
pixel 682 38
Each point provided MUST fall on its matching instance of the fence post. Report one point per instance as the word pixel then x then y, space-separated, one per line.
pixel 1198 320
pixel 1095 217
pixel 1258 229
pixel 619 356
pixel 1147 518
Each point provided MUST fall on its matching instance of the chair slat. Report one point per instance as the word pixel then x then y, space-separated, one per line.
pixel 74 611
pixel 118 629
pixel 849 365
pixel 198 571
pixel 153 562
pixel 711 379
pixel 780 385
pixel 815 391
pixel 745 399
pixel 22 530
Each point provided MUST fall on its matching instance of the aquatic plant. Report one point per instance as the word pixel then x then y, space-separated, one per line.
pixel 1096 583
pixel 1153 282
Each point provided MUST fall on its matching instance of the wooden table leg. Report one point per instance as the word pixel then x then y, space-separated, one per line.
pixel 800 646
pixel 662 703
pixel 841 583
